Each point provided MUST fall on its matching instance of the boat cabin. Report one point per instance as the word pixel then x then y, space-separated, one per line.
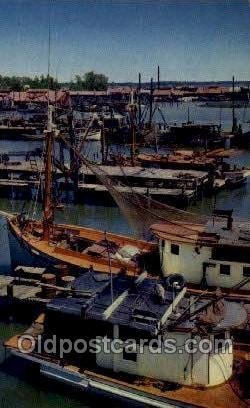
pixel 114 310
pixel 216 253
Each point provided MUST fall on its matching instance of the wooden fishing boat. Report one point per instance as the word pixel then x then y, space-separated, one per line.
pixel 81 247
pixel 140 308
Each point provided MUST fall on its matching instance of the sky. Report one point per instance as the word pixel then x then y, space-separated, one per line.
pixel 201 40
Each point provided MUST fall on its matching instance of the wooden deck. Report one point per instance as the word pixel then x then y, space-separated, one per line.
pixel 85 261
pixel 228 395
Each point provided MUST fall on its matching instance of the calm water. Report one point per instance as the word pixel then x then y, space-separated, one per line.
pixel 15 390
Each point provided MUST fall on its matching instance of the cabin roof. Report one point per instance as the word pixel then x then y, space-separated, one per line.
pixel 214 232
pixel 138 309
pixel 128 301
pixel 134 303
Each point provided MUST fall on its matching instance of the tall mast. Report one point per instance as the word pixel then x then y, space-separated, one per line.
pixel 139 101
pixel 234 125
pixel 74 164
pixel 151 97
pixel 158 77
pixel 132 109
pixel 48 208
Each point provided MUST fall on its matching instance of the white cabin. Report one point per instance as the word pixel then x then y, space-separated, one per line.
pixel 158 319
pixel 181 367
pixel 213 253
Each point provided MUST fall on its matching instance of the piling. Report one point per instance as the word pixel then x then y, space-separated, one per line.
pixel 67 281
pixel 60 270
pixel 49 279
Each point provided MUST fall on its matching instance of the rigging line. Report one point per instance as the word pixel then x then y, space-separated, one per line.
pixel 80 144
pixel 123 172
pixel 39 184
pixel 195 300
pixel 154 110
pixel 213 301
pixel 102 175
pixel 145 113
pixel 162 116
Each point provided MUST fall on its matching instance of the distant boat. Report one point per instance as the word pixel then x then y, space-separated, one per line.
pixel 235 179
pixel 226 104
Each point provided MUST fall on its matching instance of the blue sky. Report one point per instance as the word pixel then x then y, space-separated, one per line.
pixel 189 39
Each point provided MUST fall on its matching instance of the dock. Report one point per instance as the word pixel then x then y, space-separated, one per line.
pixel 170 185
pixel 18 183
pixel 173 195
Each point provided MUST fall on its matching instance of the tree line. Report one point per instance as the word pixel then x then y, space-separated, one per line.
pixel 90 81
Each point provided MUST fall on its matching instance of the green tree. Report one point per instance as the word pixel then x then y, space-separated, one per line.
pixel 90 81
pixel 16 83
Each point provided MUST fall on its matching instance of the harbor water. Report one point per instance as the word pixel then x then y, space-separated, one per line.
pixel 17 391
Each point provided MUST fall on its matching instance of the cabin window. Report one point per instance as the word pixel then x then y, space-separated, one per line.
pixel 175 249
pixel 246 271
pixel 232 254
pixel 224 269
pixel 129 355
pixel 163 243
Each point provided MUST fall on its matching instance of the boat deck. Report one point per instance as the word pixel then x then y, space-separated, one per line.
pixel 79 259
pixel 229 395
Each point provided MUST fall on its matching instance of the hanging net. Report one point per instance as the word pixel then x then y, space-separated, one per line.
pixel 141 211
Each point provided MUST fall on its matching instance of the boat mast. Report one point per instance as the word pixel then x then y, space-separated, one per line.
pixel 151 97
pixel 234 120
pixel 158 77
pixel 132 108
pixel 48 208
pixel 139 101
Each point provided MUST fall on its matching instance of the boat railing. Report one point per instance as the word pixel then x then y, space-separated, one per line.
pixel 93 259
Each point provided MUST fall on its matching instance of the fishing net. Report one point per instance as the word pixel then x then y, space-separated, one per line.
pixel 141 211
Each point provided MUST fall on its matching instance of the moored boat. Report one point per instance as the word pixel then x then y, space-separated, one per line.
pixel 235 179
pixel 142 341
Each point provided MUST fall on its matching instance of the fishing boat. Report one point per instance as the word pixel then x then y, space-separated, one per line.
pixel 178 160
pixel 207 254
pixel 235 179
pixel 81 247
pixel 77 246
pixel 189 245
pixel 127 311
